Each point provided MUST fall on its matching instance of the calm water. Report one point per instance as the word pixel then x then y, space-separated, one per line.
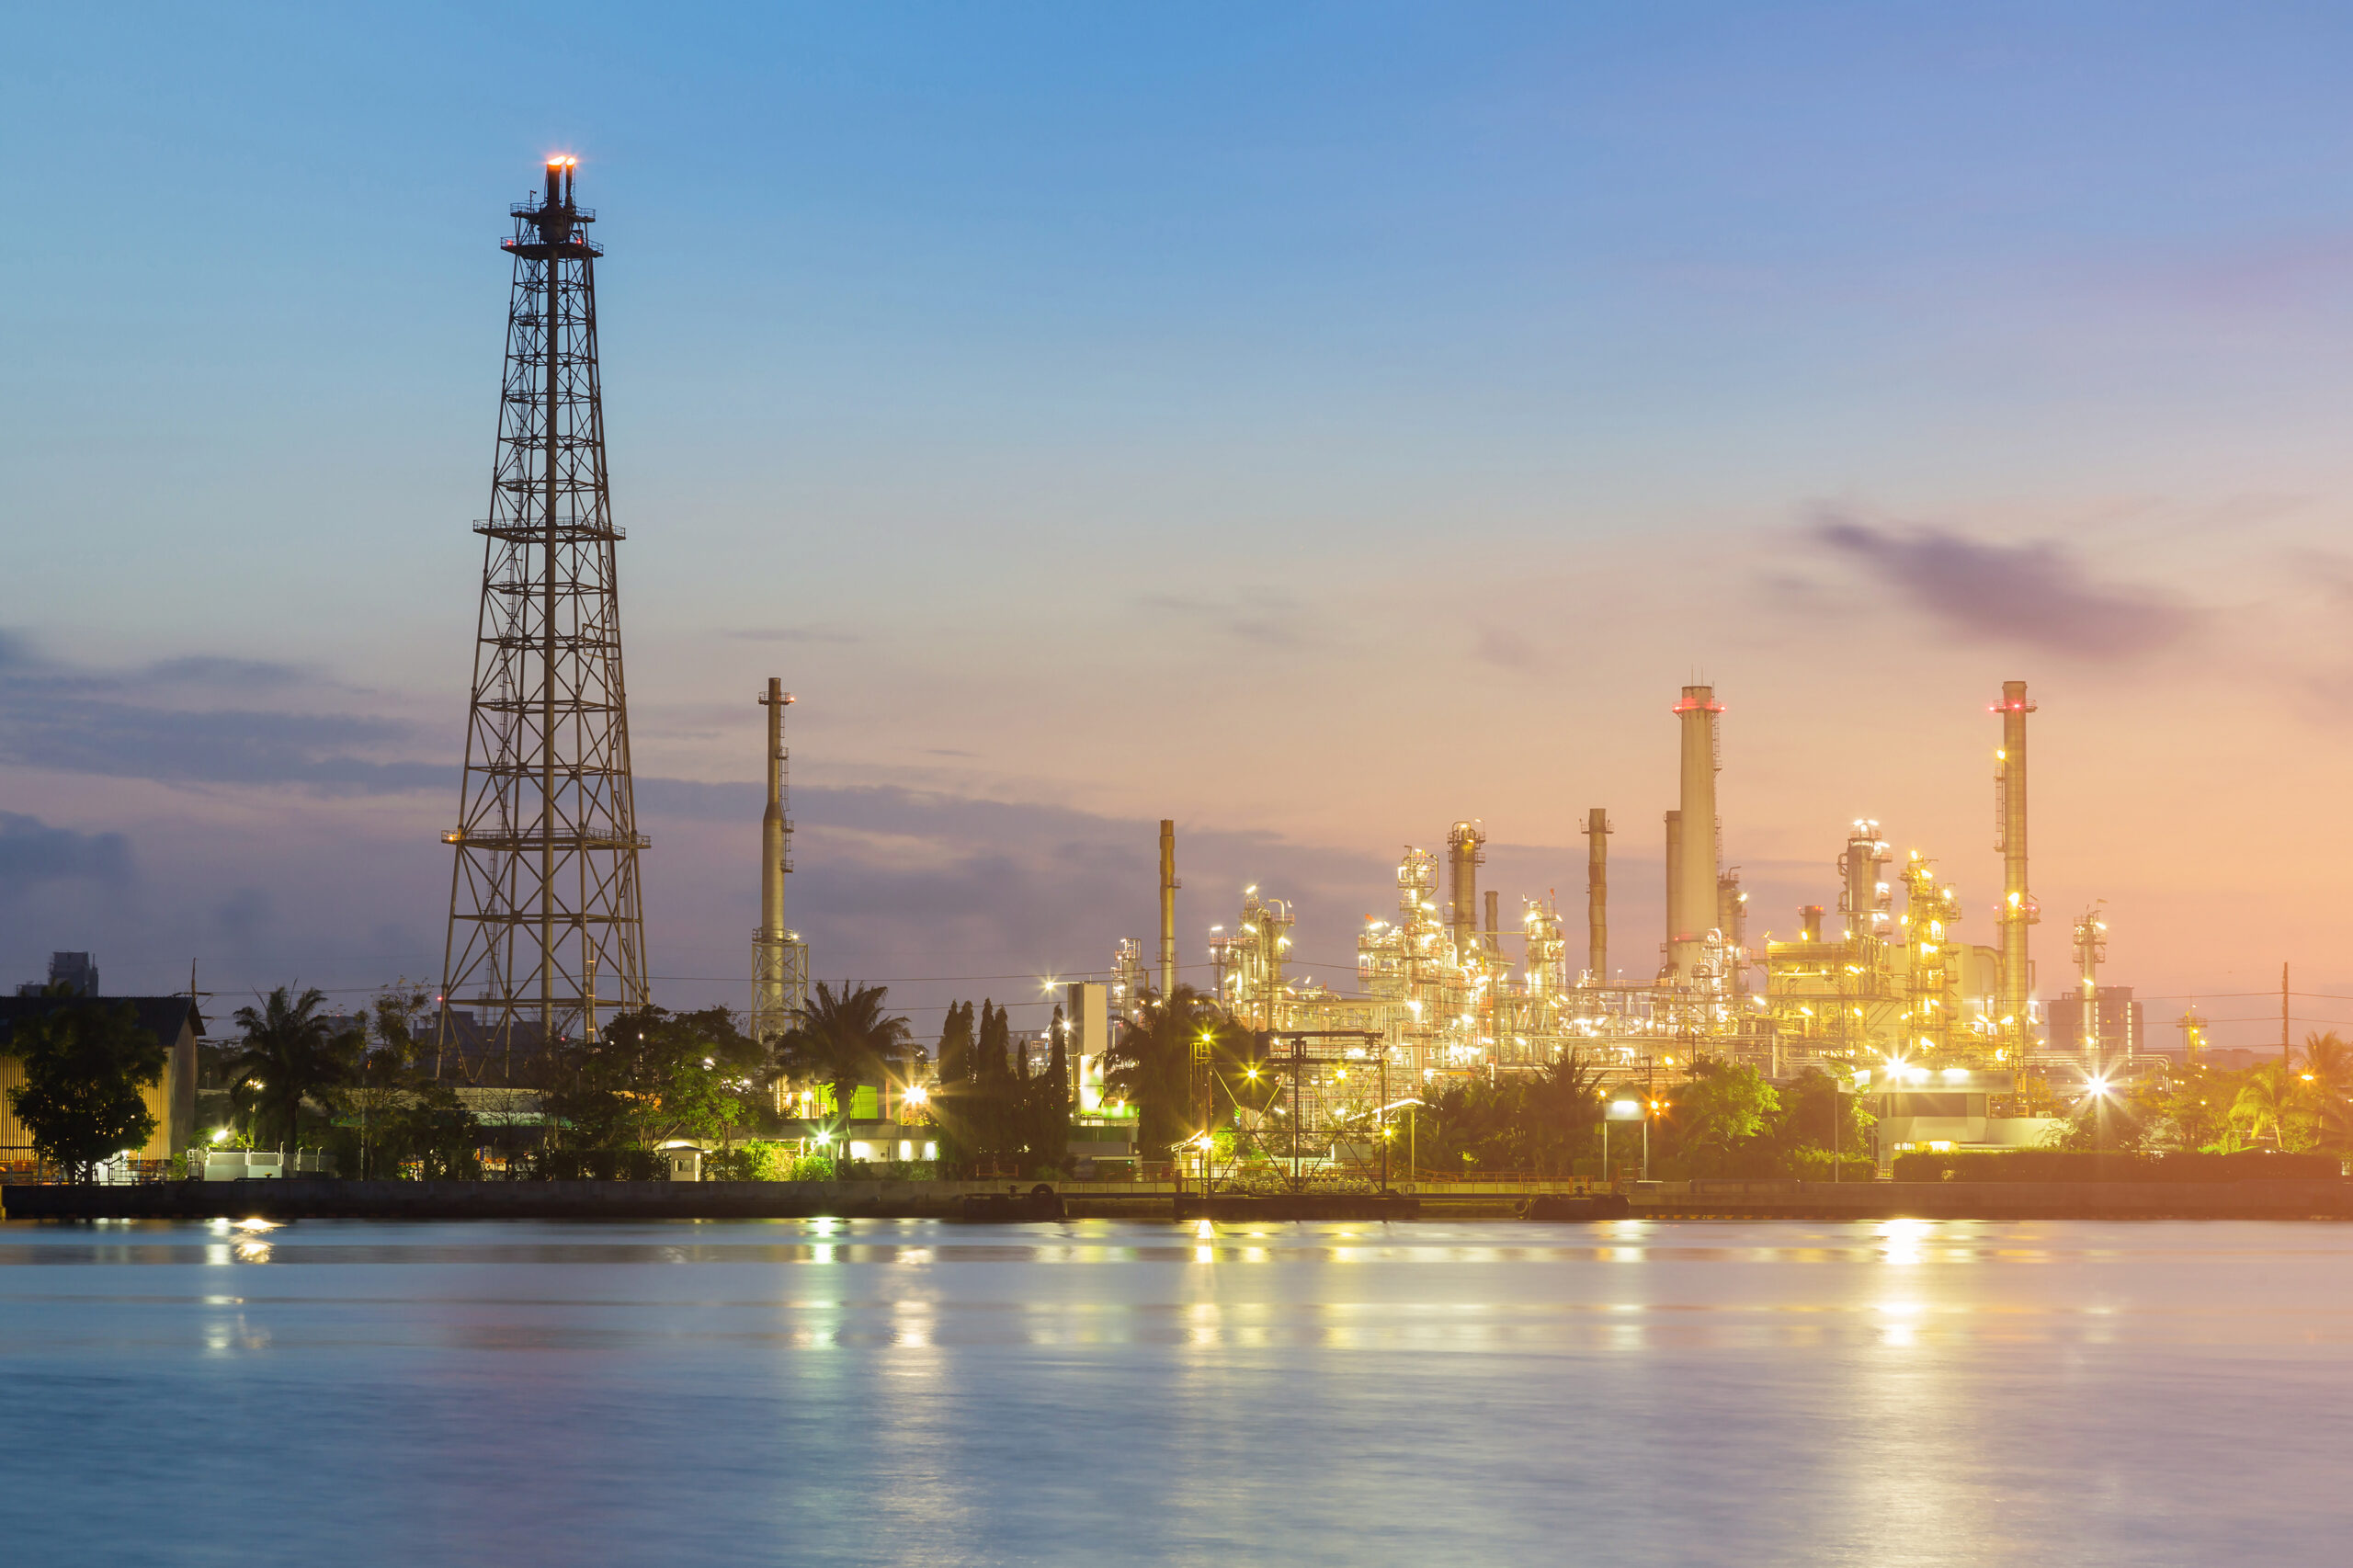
pixel 1109 1393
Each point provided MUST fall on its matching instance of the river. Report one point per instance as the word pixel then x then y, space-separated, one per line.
pixel 1106 1392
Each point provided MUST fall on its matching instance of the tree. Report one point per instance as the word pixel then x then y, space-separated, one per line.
pixel 653 1074
pixel 843 1040
pixel 388 1062
pixel 1049 1105
pixel 290 1053
pixel 948 1107
pixel 1562 1108
pixel 2328 1068
pixel 1819 1115
pixel 1721 1106
pixel 2275 1099
pixel 84 1061
pixel 1150 1065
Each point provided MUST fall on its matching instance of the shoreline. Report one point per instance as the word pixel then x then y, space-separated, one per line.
pixel 299 1199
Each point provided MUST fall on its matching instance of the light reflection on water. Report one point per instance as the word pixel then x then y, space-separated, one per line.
pixel 1897 1392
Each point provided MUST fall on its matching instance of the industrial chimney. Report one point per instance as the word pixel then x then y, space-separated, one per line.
pixel 1597 895
pixel 2018 911
pixel 1168 886
pixel 1695 864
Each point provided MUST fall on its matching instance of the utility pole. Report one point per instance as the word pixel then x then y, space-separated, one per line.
pixel 2287 1051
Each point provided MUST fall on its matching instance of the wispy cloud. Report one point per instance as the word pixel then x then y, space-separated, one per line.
pixel 1270 620
pixel 1506 649
pixel 2037 595
pixel 791 634
pixel 32 852
pixel 70 719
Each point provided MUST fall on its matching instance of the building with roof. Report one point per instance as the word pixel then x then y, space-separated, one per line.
pixel 174 1022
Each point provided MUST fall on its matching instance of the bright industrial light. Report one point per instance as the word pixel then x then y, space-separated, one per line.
pixel 918 1093
pixel 2096 1086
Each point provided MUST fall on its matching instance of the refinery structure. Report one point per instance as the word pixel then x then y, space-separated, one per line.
pixel 1876 974
pixel 545 931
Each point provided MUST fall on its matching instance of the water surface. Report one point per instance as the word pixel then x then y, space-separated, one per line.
pixel 1108 1392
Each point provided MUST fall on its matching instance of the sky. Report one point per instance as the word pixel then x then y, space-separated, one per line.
pixel 1314 423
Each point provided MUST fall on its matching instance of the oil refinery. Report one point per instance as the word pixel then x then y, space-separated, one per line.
pixel 1876 974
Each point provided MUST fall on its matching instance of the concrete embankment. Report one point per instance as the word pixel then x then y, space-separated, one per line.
pixel 1994 1200
pixel 300 1199
pixel 297 1198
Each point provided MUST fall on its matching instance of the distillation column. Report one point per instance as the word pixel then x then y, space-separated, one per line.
pixel 1465 849
pixel 1674 887
pixel 1168 886
pixel 2018 911
pixel 1596 896
pixel 1695 869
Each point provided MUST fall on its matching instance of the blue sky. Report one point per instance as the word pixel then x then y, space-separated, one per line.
pixel 1314 423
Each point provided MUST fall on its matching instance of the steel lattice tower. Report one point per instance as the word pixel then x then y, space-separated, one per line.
pixel 545 927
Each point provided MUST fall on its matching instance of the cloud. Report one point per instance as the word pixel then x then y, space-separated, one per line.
pixel 1506 649
pixel 69 719
pixel 791 634
pixel 1269 619
pixel 240 674
pixel 32 851
pixel 2036 595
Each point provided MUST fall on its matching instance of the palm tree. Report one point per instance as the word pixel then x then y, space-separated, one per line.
pixel 290 1053
pixel 2275 1099
pixel 2328 1069
pixel 843 1040
pixel 1150 1065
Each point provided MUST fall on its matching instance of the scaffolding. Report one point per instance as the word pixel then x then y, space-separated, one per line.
pixel 1312 1113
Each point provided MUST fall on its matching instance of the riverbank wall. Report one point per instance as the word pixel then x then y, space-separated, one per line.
pixel 2320 1200
pixel 298 1199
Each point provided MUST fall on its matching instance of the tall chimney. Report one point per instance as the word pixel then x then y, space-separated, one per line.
pixel 1168 886
pixel 1466 848
pixel 1597 895
pixel 2018 911
pixel 778 965
pixel 1494 936
pixel 1695 901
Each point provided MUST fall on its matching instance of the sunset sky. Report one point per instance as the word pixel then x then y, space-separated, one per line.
pixel 1311 423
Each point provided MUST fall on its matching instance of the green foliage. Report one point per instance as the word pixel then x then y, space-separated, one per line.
pixel 290 1054
pixel 998 1113
pixel 1721 1107
pixel 84 1061
pixel 755 1161
pixel 843 1040
pixel 1542 1123
pixel 598 1165
pixel 811 1167
pixel 1150 1066
pixel 653 1074
pixel 2276 1102
pixel 432 1129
